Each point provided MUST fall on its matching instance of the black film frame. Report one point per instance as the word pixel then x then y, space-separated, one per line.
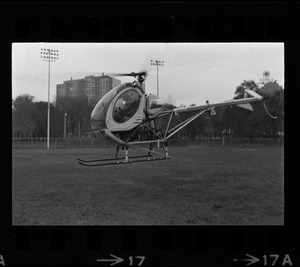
pixel 155 22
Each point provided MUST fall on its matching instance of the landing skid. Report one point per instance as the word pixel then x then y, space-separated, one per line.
pixel 126 160
pixel 114 161
pixel 109 159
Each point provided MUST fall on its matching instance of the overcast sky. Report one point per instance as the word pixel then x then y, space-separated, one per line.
pixel 193 72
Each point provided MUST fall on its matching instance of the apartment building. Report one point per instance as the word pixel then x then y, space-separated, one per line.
pixel 94 87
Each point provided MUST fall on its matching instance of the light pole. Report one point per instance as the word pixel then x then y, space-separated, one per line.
pixel 65 125
pixel 157 63
pixel 78 129
pixel 48 55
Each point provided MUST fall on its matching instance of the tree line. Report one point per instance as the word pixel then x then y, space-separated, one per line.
pixel 29 117
pixel 237 122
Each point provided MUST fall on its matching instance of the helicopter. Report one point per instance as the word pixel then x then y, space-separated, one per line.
pixel 129 117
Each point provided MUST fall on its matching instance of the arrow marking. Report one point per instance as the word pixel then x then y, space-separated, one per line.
pixel 114 261
pixel 251 260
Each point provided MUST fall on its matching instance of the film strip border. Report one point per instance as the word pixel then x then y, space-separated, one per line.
pixel 95 27
pixel 150 21
pixel 239 246
pixel 154 246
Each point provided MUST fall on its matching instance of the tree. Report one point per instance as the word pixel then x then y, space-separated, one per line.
pixel 23 114
pixel 217 123
pixel 239 92
pixel 79 110
pixel 275 107
pixel 40 119
pixel 29 118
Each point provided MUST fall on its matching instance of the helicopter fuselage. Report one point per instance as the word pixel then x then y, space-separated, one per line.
pixel 122 109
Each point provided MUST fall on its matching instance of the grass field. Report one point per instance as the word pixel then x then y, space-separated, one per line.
pixel 198 186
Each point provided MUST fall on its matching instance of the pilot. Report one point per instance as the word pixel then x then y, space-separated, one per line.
pixel 119 104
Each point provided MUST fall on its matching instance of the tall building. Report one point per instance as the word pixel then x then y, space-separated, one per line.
pixel 93 87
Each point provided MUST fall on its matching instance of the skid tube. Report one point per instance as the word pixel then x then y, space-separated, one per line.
pixel 117 162
pixel 111 159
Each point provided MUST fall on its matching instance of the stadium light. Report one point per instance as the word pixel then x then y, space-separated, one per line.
pixel 48 55
pixel 65 125
pixel 157 63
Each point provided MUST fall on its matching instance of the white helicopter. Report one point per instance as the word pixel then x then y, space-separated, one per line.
pixel 128 116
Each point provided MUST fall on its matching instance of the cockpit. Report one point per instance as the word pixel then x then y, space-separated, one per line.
pixel 120 109
pixel 126 106
pixel 98 117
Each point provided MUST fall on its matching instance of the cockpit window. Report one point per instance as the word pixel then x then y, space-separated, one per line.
pixel 126 106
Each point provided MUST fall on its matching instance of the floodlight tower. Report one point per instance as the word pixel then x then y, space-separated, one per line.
pixel 65 125
pixel 157 63
pixel 48 55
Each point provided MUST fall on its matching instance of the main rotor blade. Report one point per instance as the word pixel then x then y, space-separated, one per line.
pixel 133 74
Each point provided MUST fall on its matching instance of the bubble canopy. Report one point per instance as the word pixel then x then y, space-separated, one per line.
pixel 124 107
pixel 99 113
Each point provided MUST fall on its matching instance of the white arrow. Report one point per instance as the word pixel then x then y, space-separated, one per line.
pixel 251 261
pixel 114 261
